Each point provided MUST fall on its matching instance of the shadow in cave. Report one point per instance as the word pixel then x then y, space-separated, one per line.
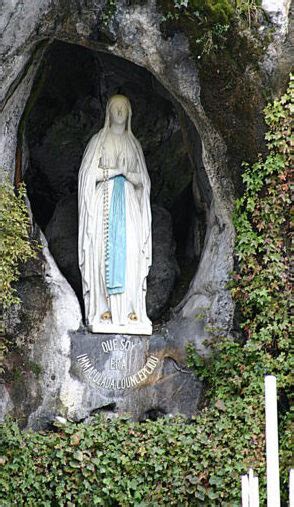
pixel 66 108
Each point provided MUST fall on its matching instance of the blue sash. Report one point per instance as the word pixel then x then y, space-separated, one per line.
pixel 115 264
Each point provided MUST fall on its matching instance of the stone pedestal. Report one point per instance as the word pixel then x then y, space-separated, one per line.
pixel 132 374
pixel 132 328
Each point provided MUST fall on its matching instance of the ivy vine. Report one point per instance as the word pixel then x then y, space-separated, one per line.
pixel 173 461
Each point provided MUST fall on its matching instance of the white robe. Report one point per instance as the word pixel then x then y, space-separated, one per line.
pixel 102 150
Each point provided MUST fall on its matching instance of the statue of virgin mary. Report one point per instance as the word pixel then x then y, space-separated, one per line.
pixel 115 226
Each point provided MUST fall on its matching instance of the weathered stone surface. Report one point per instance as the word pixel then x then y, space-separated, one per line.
pixel 53 378
pixel 280 51
pixel 62 236
pixel 141 377
pixel 164 269
pixel 54 385
pixel 37 370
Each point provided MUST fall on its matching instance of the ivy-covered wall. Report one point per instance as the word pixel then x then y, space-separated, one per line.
pixel 175 461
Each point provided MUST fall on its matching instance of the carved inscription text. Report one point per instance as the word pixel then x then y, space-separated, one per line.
pixel 117 364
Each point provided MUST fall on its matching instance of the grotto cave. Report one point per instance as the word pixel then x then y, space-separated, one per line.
pixel 196 123
pixel 65 108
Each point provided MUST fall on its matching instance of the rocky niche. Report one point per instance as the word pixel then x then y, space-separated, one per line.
pixel 142 376
pixel 61 65
pixel 72 88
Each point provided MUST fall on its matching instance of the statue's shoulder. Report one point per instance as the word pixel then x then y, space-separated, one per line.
pixel 137 144
pixel 95 137
pixel 92 142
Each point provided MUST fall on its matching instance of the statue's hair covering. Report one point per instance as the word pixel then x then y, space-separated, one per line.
pixel 113 99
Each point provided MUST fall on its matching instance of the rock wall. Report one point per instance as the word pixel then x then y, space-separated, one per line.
pixel 55 366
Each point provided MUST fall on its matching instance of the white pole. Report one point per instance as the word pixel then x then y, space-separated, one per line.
pixel 272 445
pixel 291 488
pixel 253 490
pixel 245 490
pixel 250 493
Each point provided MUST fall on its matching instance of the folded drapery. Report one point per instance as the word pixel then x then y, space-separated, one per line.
pixel 115 262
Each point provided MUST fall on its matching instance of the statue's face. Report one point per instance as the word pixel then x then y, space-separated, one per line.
pixel 118 112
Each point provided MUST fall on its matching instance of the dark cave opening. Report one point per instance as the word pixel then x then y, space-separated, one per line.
pixel 65 109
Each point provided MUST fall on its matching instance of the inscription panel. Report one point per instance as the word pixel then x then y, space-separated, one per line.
pixel 118 364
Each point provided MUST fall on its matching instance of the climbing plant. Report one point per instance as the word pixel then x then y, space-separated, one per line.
pixel 261 289
pixel 172 460
pixel 15 245
pixel 210 24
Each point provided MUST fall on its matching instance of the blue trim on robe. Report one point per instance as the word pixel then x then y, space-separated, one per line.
pixel 115 264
